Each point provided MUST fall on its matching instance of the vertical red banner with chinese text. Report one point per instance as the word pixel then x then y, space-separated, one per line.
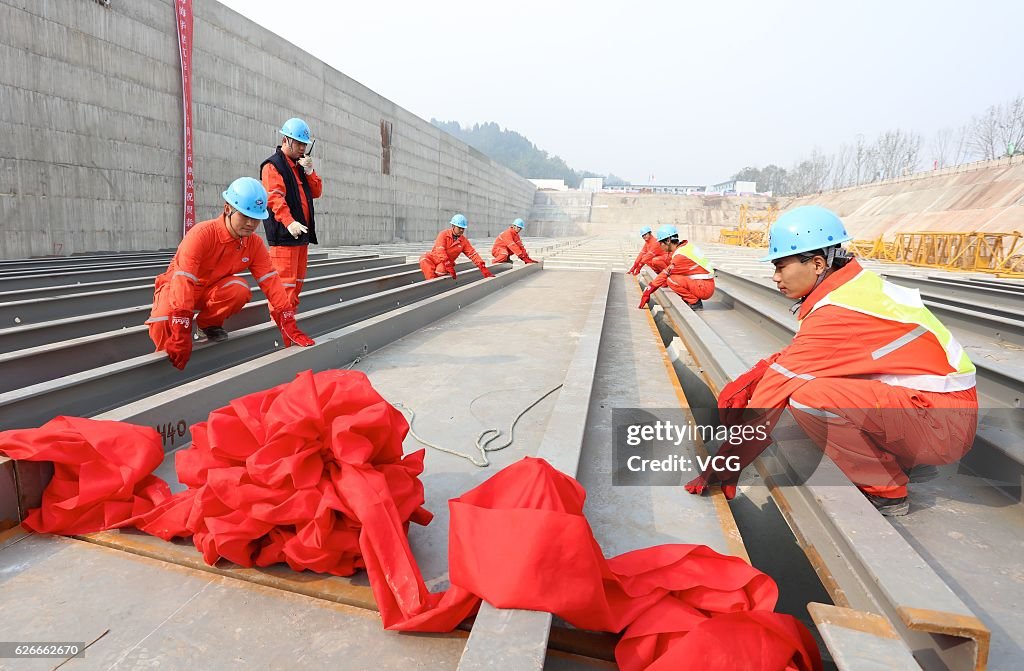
pixel 183 12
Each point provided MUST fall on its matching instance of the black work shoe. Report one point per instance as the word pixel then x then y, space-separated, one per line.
pixel 215 333
pixel 699 305
pixel 922 473
pixel 889 507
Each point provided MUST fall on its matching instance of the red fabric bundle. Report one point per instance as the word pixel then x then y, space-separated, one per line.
pixel 272 476
pixel 101 473
pixel 312 473
pixel 520 540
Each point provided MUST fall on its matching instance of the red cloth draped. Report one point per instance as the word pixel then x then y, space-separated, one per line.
pixel 520 540
pixel 274 476
pixel 312 473
pixel 101 473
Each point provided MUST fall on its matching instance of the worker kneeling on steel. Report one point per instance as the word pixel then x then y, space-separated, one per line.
pixel 872 376
pixel 689 273
pixel 509 244
pixel 651 254
pixel 201 277
pixel 450 244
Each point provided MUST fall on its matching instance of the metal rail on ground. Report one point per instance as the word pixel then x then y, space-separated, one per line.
pixel 19 314
pixel 95 390
pixel 87 287
pixel 18 282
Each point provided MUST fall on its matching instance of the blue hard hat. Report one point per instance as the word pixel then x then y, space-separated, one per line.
pixel 644 231
pixel 805 229
pixel 296 129
pixel 520 223
pixel 248 196
pixel 667 231
pixel 459 220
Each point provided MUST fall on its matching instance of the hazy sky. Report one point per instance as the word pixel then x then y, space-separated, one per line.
pixel 689 92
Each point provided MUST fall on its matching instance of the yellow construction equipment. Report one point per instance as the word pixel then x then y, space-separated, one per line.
pixel 999 253
pixel 743 235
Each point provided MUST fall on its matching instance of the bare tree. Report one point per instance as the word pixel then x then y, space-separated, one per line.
pixel 962 145
pixel 842 167
pixel 942 147
pixel 1011 125
pixel 861 156
pixel 811 175
pixel 897 152
pixel 911 153
pixel 984 137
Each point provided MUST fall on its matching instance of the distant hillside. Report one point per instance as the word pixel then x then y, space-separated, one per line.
pixel 519 154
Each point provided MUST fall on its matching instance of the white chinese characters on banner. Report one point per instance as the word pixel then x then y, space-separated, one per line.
pixel 184 22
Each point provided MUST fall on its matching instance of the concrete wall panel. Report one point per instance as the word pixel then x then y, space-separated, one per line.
pixel 90 133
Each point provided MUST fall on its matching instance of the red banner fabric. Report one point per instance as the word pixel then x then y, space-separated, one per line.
pixel 183 20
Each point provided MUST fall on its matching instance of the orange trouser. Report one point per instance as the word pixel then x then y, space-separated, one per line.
pixel 873 431
pixel 502 254
pixel 215 304
pixel 431 269
pixel 290 264
pixel 689 290
pixel 658 264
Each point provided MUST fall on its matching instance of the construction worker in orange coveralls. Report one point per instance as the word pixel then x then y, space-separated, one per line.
pixel 651 254
pixel 291 184
pixel 689 273
pixel 450 243
pixel 509 244
pixel 871 375
pixel 201 277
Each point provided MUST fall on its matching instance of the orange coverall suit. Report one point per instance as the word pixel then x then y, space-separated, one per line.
pixel 677 277
pixel 831 378
pixel 201 276
pixel 651 254
pixel 289 261
pixel 446 249
pixel 508 244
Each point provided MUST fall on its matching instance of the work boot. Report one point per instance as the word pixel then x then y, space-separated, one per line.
pixel 215 333
pixel 922 473
pixel 889 507
pixel 699 305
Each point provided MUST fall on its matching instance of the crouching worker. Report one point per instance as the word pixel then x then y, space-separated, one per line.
pixel 450 244
pixel 201 277
pixel 871 376
pixel 509 244
pixel 651 254
pixel 689 273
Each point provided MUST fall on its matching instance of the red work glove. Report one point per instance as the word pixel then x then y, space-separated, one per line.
pixel 704 481
pixel 483 270
pixel 736 395
pixel 450 269
pixel 647 296
pixel 290 332
pixel 732 458
pixel 526 259
pixel 635 270
pixel 179 347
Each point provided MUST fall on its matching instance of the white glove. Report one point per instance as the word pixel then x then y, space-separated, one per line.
pixel 306 163
pixel 297 229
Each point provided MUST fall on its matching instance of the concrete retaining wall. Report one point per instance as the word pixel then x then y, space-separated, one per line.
pixel 90 133
pixel 982 196
pixel 557 213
